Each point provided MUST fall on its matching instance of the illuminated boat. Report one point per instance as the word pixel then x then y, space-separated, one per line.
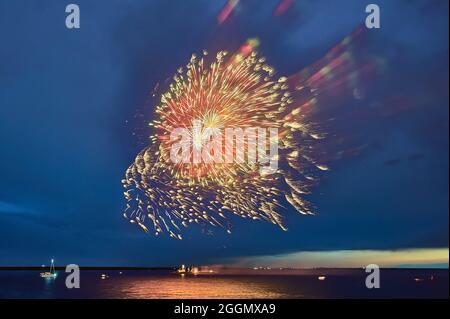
pixel 181 271
pixel 51 273
pixel 192 271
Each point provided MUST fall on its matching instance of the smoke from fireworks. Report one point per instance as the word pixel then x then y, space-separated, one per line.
pixel 228 90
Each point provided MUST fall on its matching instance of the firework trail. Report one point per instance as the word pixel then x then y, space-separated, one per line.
pixel 228 90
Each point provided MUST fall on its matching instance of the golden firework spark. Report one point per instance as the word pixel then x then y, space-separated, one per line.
pixel 232 90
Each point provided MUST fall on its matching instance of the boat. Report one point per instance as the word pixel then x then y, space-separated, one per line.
pixel 183 270
pixel 50 274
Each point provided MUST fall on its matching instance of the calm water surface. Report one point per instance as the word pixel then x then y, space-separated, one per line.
pixel 162 284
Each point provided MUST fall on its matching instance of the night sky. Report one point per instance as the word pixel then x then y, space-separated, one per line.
pixel 74 108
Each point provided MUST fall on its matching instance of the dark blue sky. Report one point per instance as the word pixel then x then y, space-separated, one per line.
pixel 65 97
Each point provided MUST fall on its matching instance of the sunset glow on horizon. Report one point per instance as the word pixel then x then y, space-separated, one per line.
pixel 409 258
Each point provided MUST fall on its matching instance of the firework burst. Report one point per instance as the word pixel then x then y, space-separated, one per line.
pixel 228 90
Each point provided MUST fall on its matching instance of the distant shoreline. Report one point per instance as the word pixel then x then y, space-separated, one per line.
pixel 225 269
pixel 85 268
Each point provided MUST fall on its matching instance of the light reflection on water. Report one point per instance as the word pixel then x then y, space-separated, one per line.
pixel 192 287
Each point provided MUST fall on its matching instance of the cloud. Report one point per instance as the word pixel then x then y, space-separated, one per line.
pixel 351 258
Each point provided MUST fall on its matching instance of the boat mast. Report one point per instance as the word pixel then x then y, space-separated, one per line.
pixel 52 267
